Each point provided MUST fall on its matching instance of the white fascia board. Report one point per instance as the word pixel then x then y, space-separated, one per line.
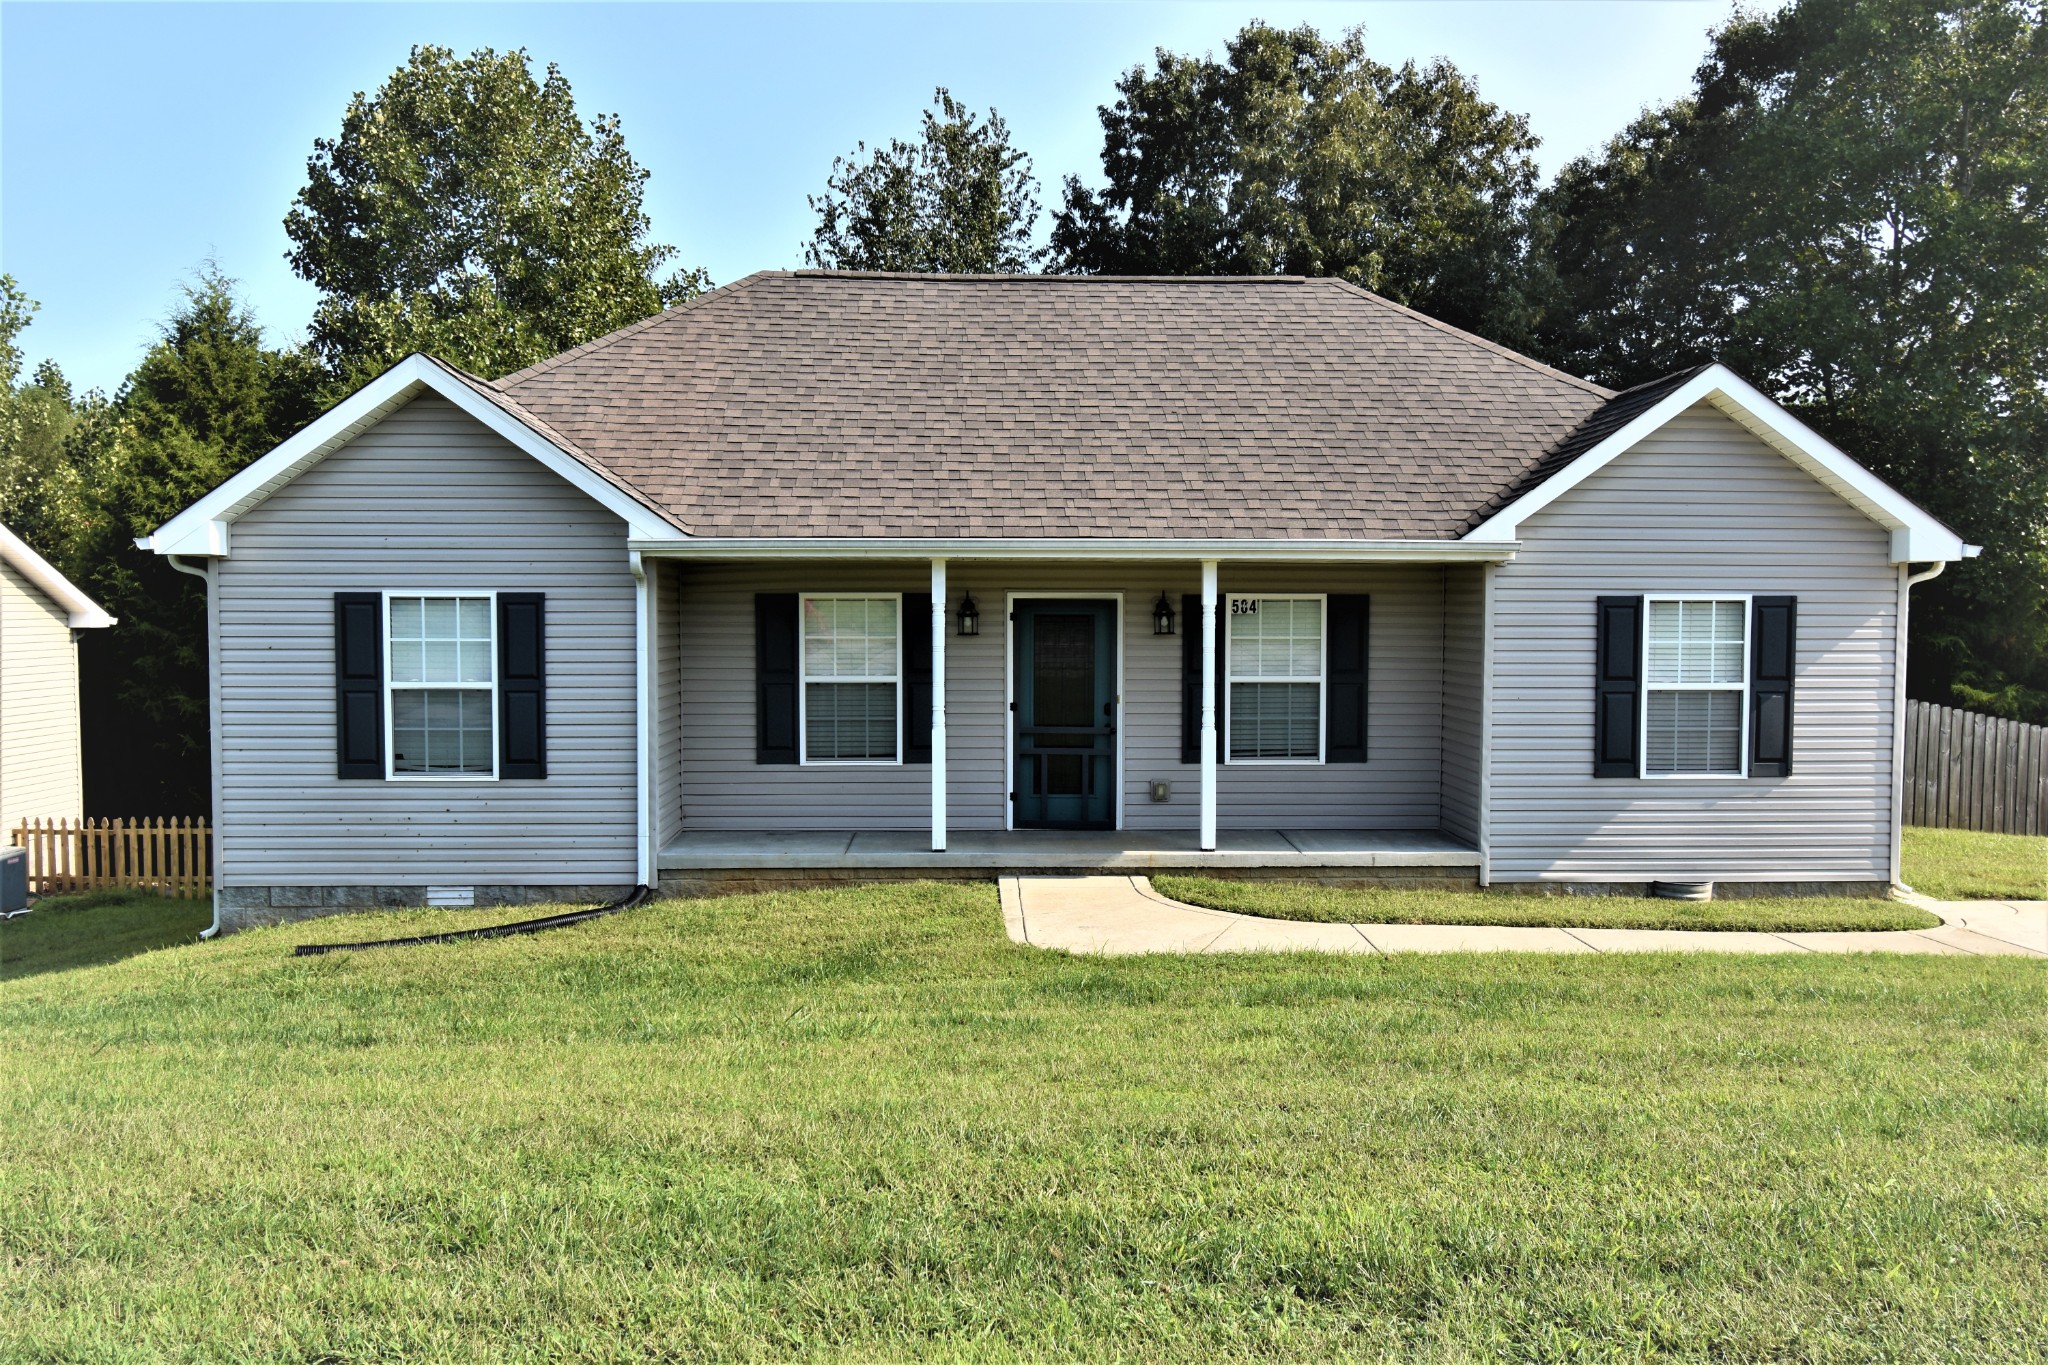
pixel 202 528
pixel 1151 550
pixel 1915 534
pixel 82 612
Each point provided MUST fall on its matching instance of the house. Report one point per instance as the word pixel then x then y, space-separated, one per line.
pixel 845 576
pixel 41 613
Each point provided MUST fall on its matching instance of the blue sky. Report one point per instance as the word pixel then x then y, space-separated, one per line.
pixel 137 141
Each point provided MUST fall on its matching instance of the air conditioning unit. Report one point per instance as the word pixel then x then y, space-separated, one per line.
pixel 13 881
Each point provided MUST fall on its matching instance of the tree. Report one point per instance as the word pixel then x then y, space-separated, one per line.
pixel 39 490
pixel 206 400
pixel 1849 209
pixel 1299 156
pixel 960 200
pixel 466 210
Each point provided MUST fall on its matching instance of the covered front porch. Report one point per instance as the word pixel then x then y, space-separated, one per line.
pixel 999 851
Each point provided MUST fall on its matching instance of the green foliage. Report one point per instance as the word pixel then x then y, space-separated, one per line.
pixel 1965 865
pixel 1849 210
pixel 860 1125
pixel 960 200
pixel 1300 156
pixel 467 211
pixel 41 492
pixel 1356 905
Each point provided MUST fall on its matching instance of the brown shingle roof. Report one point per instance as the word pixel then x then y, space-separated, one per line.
pixel 822 404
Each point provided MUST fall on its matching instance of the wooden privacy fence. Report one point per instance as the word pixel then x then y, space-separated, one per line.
pixel 1965 770
pixel 170 857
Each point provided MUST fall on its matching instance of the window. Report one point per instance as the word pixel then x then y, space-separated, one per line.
pixel 442 688
pixel 851 660
pixel 1274 658
pixel 1696 671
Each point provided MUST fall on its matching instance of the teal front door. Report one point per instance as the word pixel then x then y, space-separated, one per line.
pixel 1065 766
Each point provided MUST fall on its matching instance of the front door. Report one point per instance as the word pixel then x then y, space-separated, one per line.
pixel 1065 772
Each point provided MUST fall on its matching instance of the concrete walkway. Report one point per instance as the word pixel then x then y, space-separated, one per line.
pixel 1123 914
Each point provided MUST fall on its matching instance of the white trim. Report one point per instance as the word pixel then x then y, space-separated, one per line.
pixel 1010 600
pixel 1486 727
pixel 803 683
pixel 1322 681
pixel 202 528
pixel 1080 549
pixel 1907 578
pixel 646 809
pixel 938 650
pixel 1643 772
pixel 83 612
pixel 1207 837
pixel 391 774
pixel 1916 535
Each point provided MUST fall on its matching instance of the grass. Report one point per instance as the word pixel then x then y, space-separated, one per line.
pixel 63 932
pixel 1341 905
pixel 860 1124
pixel 1955 864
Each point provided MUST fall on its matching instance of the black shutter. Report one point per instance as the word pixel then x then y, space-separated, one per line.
pixel 1773 653
pixel 522 685
pixel 1190 679
pixel 359 685
pixel 775 683
pixel 916 698
pixel 1618 688
pixel 1350 626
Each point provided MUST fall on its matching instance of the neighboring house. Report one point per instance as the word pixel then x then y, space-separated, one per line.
pixel 1262 574
pixel 41 614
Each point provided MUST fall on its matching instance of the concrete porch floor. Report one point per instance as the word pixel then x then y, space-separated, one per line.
pixel 1032 850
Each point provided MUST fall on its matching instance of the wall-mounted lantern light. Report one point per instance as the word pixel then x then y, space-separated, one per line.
pixel 970 615
pixel 1162 616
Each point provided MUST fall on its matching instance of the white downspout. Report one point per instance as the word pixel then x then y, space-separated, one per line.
pixel 643 710
pixel 1906 581
pixel 1208 838
pixel 212 724
pixel 1486 727
pixel 938 629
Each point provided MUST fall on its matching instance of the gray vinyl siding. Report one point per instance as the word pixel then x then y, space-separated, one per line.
pixel 1702 506
pixel 39 772
pixel 723 788
pixel 1464 697
pixel 428 499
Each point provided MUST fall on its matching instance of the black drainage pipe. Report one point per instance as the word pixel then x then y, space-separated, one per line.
pixel 638 896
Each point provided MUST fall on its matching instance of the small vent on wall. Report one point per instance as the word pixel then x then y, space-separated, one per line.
pixel 451 895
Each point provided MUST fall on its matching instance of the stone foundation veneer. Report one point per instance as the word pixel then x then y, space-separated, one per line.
pixel 249 907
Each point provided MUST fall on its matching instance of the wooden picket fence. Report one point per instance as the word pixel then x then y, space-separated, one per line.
pixel 1966 770
pixel 170 857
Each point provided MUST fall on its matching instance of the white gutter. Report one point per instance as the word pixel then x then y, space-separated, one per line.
pixel 1153 549
pixel 643 712
pixel 82 612
pixel 1906 582
pixel 212 724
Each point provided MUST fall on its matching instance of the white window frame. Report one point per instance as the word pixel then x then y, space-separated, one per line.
pixel 1643 671
pixel 391 774
pixel 1322 680
pixel 803 683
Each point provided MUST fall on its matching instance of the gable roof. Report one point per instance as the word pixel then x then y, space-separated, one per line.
pixel 84 613
pixel 885 409
pixel 1632 415
pixel 834 404
pixel 202 528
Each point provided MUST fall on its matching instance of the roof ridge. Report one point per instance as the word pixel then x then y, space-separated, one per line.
pixel 560 358
pixel 1029 277
pixel 1505 352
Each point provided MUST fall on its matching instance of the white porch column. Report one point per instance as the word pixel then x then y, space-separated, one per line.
pixel 1209 627
pixel 938 626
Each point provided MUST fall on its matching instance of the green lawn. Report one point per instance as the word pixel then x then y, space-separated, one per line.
pixel 1346 905
pixel 63 932
pixel 861 1124
pixel 1955 864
